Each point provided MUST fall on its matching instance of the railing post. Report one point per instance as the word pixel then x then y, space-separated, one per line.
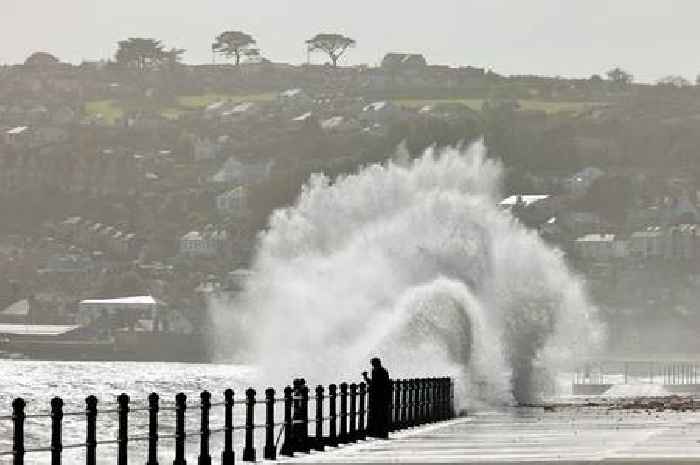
pixel 396 412
pixel 297 439
pixel 287 447
pixel 152 429
pixel 423 383
pixel 419 401
pixel 436 399
pixel 441 399
pixel 270 450
pixel 180 433
pixel 403 421
pixel 319 418
pixel 343 436
pixel 414 402
pixel 91 430
pixel 352 436
pixel 428 400
pixel 228 456
pixel 304 443
pixel 56 433
pixel 204 457
pixel 409 405
pixel 332 414
pixel 362 431
pixel 249 449
pixel 445 398
pixel 122 429
pixel 18 431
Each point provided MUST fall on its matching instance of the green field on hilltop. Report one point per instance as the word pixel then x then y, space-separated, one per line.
pixel 476 104
pixel 204 100
pixel 111 110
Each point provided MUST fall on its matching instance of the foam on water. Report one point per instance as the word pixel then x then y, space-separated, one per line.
pixel 414 262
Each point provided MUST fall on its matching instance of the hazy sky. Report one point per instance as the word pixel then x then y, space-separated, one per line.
pixel 552 37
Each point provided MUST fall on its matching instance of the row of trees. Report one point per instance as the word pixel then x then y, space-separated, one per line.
pixel 145 53
pixel 620 76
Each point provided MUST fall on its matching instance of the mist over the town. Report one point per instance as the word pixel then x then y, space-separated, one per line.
pixel 455 231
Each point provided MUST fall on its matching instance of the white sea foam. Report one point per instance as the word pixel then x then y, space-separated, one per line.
pixel 416 263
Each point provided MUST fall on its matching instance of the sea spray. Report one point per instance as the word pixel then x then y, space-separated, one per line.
pixel 416 263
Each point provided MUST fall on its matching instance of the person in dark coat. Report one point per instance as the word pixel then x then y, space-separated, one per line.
pixel 379 400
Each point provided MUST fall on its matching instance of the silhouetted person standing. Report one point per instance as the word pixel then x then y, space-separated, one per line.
pixel 379 400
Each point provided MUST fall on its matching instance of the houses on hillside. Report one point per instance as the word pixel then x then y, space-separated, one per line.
pixel 205 244
pixel 672 243
pixel 95 236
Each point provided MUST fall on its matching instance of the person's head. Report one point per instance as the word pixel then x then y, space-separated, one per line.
pixel 376 363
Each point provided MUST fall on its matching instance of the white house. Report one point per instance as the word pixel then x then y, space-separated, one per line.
pixel 380 112
pixel 233 203
pixel 295 99
pixel 207 244
pixel 17 135
pixel 649 243
pixel 203 148
pixel 600 247
pixel 123 311
pixel 234 171
pixel 524 200
pixel 580 182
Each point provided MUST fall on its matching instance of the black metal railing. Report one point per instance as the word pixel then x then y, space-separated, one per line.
pixel 414 402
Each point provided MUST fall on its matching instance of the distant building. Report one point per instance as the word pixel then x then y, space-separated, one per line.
pixel 522 200
pixel 404 62
pixel 235 171
pixel 207 244
pixel 233 203
pixel 448 111
pixel 18 136
pixel 532 209
pixel 118 313
pixel 648 243
pixel 18 312
pixel 580 182
pixel 600 247
pixel 683 242
pixel 295 100
pixel 383 112
pixel 204 148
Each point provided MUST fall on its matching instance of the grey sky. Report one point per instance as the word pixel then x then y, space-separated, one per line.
pixel 552 37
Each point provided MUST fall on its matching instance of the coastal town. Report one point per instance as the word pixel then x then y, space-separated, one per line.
pixel 132 190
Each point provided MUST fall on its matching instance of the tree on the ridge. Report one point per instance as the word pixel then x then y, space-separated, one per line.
pixel 673 80
pixel 619 76
pixel 333 45
pixel 236 44
pixel 144 53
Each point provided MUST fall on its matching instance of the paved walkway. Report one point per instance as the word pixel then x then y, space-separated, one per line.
pixel 567 435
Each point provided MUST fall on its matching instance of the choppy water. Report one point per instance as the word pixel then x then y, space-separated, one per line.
pixel 38 381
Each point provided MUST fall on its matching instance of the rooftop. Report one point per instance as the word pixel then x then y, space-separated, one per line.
pixel 596 238
pixel 527 199
pixel 17 130
pixel 36 330
pixel 142 299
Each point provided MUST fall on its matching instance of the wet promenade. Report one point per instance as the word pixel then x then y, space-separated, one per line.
pixel 568 435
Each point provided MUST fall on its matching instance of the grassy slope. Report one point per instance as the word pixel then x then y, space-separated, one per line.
pixel 111 110
pixel 476 104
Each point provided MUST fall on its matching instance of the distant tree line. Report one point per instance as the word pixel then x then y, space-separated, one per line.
pixel 143 54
